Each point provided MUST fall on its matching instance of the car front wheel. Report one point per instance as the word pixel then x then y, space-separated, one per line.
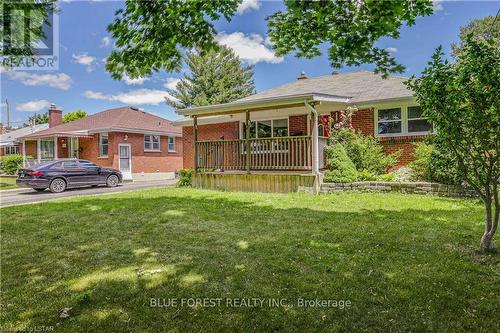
pixel 58 185
pixel 112 180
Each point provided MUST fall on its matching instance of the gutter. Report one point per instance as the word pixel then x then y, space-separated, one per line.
pixel 315 146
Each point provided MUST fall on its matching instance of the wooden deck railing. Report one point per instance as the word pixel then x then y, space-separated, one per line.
pixel 284 153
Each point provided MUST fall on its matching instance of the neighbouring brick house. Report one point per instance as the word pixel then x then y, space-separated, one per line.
pixel 137 143
pixel 9 141
pixel 285 128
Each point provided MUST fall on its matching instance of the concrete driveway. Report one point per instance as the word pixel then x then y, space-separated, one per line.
pixel 28 196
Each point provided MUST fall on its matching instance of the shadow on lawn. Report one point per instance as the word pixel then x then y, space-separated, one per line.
pixel 107 257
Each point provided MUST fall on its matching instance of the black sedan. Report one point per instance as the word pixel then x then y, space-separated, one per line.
pixel 62 174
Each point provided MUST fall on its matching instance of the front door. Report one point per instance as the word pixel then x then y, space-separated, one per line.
pixel 125 161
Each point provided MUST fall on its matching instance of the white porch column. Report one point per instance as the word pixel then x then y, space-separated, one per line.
pixel 24 153
pixel 315 146
pixel 55 147
pixel 38 150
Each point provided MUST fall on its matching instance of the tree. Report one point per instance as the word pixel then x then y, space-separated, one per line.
pixel 150 35
pixel 36 119
pixel 462 99
pixel 74 115
pixel 216 76
pixel 485 28
pixel 351 27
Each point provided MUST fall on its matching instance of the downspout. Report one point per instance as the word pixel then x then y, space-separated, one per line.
pixel 315 147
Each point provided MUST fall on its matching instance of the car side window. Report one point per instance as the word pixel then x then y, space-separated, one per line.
pixel 70 165
pixel 87 164
pixel 57 166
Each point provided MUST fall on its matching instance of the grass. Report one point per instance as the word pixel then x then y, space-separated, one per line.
pixel 7 182
pixel 404 262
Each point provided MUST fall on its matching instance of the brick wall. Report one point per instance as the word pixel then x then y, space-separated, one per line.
pixel 147 162
pixel 297 125
pixel 229 131
pixel 405 144
pixel 363 121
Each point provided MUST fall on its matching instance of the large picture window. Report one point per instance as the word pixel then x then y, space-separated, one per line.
pixel 416 122
pixel 389 121
pixel 103 144
pixel 152 142
pixel 401 121
pixel 267 128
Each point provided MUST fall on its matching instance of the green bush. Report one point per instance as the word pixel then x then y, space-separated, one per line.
pixel 9 164
pixel 185 177
pixel 366 175
pixel 366 152
pixel 341 168
pixel 434 163
pixel 388 177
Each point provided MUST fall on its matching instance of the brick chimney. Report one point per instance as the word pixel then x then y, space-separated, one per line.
pixel 302 76
pixel 55 115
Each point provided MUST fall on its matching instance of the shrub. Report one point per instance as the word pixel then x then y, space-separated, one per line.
pixel 366 175
pixel 366 152
pixel 9 164
pixel 434 163
pixel 185 178
pixel 388 177
pixel 341 168
pixel 403 174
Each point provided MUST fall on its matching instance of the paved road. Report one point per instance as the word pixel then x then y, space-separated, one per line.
pixel 28 196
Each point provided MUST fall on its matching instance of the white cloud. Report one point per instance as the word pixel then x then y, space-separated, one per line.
pixel 248 5
pixel 85 60
pixel 138 81
pixel 33 106
pixel 132 97
pixel 60 81
pixel 251 49
pixel 437 5
pixel 392 49
pixel 105 41
pixel 171 83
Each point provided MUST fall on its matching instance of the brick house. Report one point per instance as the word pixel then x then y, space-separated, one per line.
pixel 139 144
pixel 285 128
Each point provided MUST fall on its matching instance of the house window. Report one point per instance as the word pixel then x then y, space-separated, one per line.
pixel 267 128
pixel 103 144
pixel 11 150
pixel 152 142
pixel 416 122
pixel 46 149
pixel 171 144
pixel 389 121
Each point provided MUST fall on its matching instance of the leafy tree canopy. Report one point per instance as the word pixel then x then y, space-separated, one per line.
pixel 462 99
pixel 36 119
pixel 151 35
pixel 485 28
pixel 74 115
pixel 216 76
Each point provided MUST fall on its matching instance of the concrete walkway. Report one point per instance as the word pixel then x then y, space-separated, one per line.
pixel 28 196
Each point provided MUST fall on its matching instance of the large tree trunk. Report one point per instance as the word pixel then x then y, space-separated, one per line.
pixel 487 242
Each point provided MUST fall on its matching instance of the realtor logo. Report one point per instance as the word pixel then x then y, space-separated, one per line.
pixel 29 36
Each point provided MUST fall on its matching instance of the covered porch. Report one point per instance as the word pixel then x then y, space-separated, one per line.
pixel 40 149
pixel 266 148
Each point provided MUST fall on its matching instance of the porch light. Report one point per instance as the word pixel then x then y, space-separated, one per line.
pixel 125 137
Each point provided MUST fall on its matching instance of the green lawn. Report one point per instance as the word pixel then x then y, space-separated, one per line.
pixel 404 262
pixel 7 183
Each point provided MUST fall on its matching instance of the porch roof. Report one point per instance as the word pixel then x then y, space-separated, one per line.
pixel 263 103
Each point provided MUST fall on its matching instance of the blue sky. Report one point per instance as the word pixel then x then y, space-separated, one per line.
pixel 82 82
